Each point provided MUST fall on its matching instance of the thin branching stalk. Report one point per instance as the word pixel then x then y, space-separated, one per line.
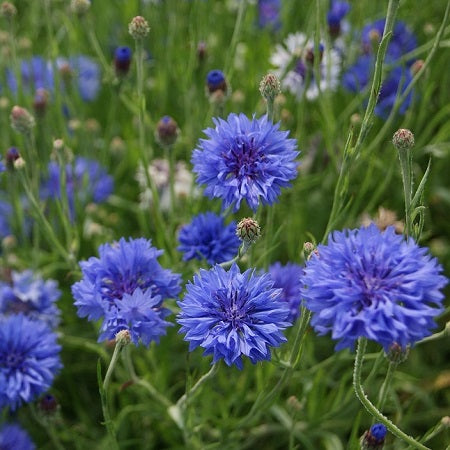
pixel 370 407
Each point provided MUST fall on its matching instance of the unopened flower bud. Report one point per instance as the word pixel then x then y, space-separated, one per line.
pixel 11 155
pixel 40 101
pixel 19 163
pixel 269 87
pixel 167 131
pixel 308 249
pixel 215 81
pixel 355 119
pixel 397 354
pixel 80 7
pixel 123 337
pixel 48 406
pixel 374 36
pixel 8 10
pixel 417 65
pixel 201 51
pixel 373 439
pixel 248 231
pixel 9 243
pixel 21 120
pixel 122 60
pixel 138 28
pixel 403 139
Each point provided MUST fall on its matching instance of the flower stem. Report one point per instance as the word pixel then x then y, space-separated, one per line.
pixel 370 407
pixel 144 383
pixel 177 411
pixel 405 157
pixel 103 388
pixel 384 391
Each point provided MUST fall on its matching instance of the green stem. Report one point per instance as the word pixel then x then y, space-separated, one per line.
pixel 228 68
pixel 103 388
pixel 406 169
pixel 177 411
pixel 384 390
pixel 370 407
pixel 145 384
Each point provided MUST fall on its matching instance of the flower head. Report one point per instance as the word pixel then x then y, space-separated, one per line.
pixel 5 217
pixel 29 359
pixel 125 287
pixel 245 159
pixel 373 439
pixel 13 437
pixel 86 180
pixel 288 278
pixel 269 13
pixel 138 28
pixel 232 314
pixel 338 10
pixel 373 284
pixel 29 294
pixel 294 65
pixel 207 237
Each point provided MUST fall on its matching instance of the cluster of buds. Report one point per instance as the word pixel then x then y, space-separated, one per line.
pixel 138 28
pixel 270 87
pixel 403 139
pixel 21 120
pixel 167 131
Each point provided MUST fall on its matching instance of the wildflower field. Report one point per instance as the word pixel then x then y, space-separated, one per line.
pixel 224 224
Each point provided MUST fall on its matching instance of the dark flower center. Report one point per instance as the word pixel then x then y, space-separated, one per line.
pixel 244 158
pixel 115 289
pixel 12 360
pixel 232 307
pixel 16 306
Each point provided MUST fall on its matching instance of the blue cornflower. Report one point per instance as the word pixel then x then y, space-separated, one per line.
pixel 338 10
pixel 87 72
pixel 207 237
pixel 245 159
pixel 36 73
pixel 2 166
pixel 288 279
pixel 29 359
pixel 126 287
pixel 215 80
pixel 5 217
pixel 13 437
pixel 86 180
pixel 231 314
pixel 403 40
pixel 373 284
pixel 269 13
pixel 29 294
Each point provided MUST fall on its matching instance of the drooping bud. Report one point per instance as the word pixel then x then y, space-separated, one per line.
pixel 248 231
pixel 269 87
pixel 21 120
pixel 8 10
pixel 122 60
pixel 80 7
pixel 167 131
pixel 403 139
pixel 397 354
pixel 138 28
pixel 373 439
